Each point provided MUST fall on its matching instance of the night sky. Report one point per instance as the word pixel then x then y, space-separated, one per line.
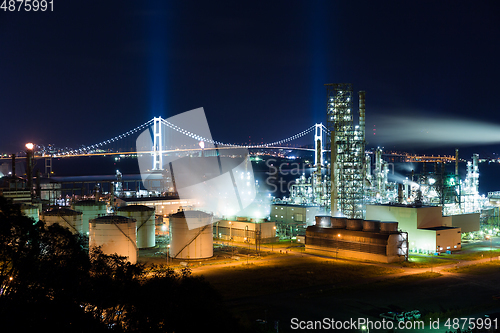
pixel 91 70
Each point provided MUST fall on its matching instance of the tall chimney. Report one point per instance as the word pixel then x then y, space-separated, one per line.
pixel 333 174
pixel 361 95
pixel 29 169
pixel 13 165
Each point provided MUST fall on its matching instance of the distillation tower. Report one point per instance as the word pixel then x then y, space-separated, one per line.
pixel 347 145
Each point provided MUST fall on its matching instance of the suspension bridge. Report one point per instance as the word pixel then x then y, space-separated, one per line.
pixel 160 144
pixel 163 137
pixel 161 132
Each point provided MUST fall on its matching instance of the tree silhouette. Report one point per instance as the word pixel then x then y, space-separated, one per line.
pixel 50 281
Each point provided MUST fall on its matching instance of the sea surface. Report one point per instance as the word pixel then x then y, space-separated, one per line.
pixel 274 175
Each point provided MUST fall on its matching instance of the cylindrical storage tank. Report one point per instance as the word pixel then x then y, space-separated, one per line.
pixel 90 209
pixel 145 218
pixel 196 243
pixel 30 211
pixel 66 217
pixel 115 234
pixel 371 226
pixel 388 227
pixel 339 222
pixel 323 221
pixel 354 224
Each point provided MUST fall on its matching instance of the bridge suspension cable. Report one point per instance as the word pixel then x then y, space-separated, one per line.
pixel 116 138
pixel 218 143
pixel 93 147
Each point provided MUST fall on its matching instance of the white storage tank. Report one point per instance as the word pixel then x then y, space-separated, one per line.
pixel 90 209
pixel 196 243
pixel 115 234
pixel 145 218
pixel 66 217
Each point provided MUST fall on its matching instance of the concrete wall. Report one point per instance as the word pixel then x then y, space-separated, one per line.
pixel 422 240
pixel 428 217
pixel 448 240
pixel 466 222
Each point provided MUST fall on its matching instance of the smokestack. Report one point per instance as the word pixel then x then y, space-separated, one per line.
pixel 333 180
pixel 361 95
pixel 13 165
pixel 29 169
pixel 96 193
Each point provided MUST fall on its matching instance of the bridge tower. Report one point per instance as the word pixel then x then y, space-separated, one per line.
pixel 157 145
pixel 318 144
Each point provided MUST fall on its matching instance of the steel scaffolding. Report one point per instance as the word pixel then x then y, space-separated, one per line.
pixel 347 144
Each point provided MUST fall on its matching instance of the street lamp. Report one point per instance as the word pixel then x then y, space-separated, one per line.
pixel 248 250
pixel 274 237
pixel 491 248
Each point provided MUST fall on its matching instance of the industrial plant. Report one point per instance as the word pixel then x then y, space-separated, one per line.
pixel 427 205
pixel 346 207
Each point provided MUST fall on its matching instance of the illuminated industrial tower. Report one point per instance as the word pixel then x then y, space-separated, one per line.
pixel 347 144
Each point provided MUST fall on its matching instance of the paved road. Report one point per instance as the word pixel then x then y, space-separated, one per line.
pixel 357 305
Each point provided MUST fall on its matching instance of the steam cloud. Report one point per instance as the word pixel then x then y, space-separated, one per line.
pixel 435 131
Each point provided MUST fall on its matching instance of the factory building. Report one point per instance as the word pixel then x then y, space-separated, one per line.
pixel 290 213
pixel 428 230
pixel 15 189
pixel 357 239
pixel 292 219
pixel 244 230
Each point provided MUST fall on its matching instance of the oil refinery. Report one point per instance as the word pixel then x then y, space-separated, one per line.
pixel 349 188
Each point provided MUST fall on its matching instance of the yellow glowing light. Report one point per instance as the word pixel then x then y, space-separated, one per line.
pixel 30 146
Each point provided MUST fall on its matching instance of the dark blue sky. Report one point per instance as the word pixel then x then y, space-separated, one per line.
pixel 91 70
